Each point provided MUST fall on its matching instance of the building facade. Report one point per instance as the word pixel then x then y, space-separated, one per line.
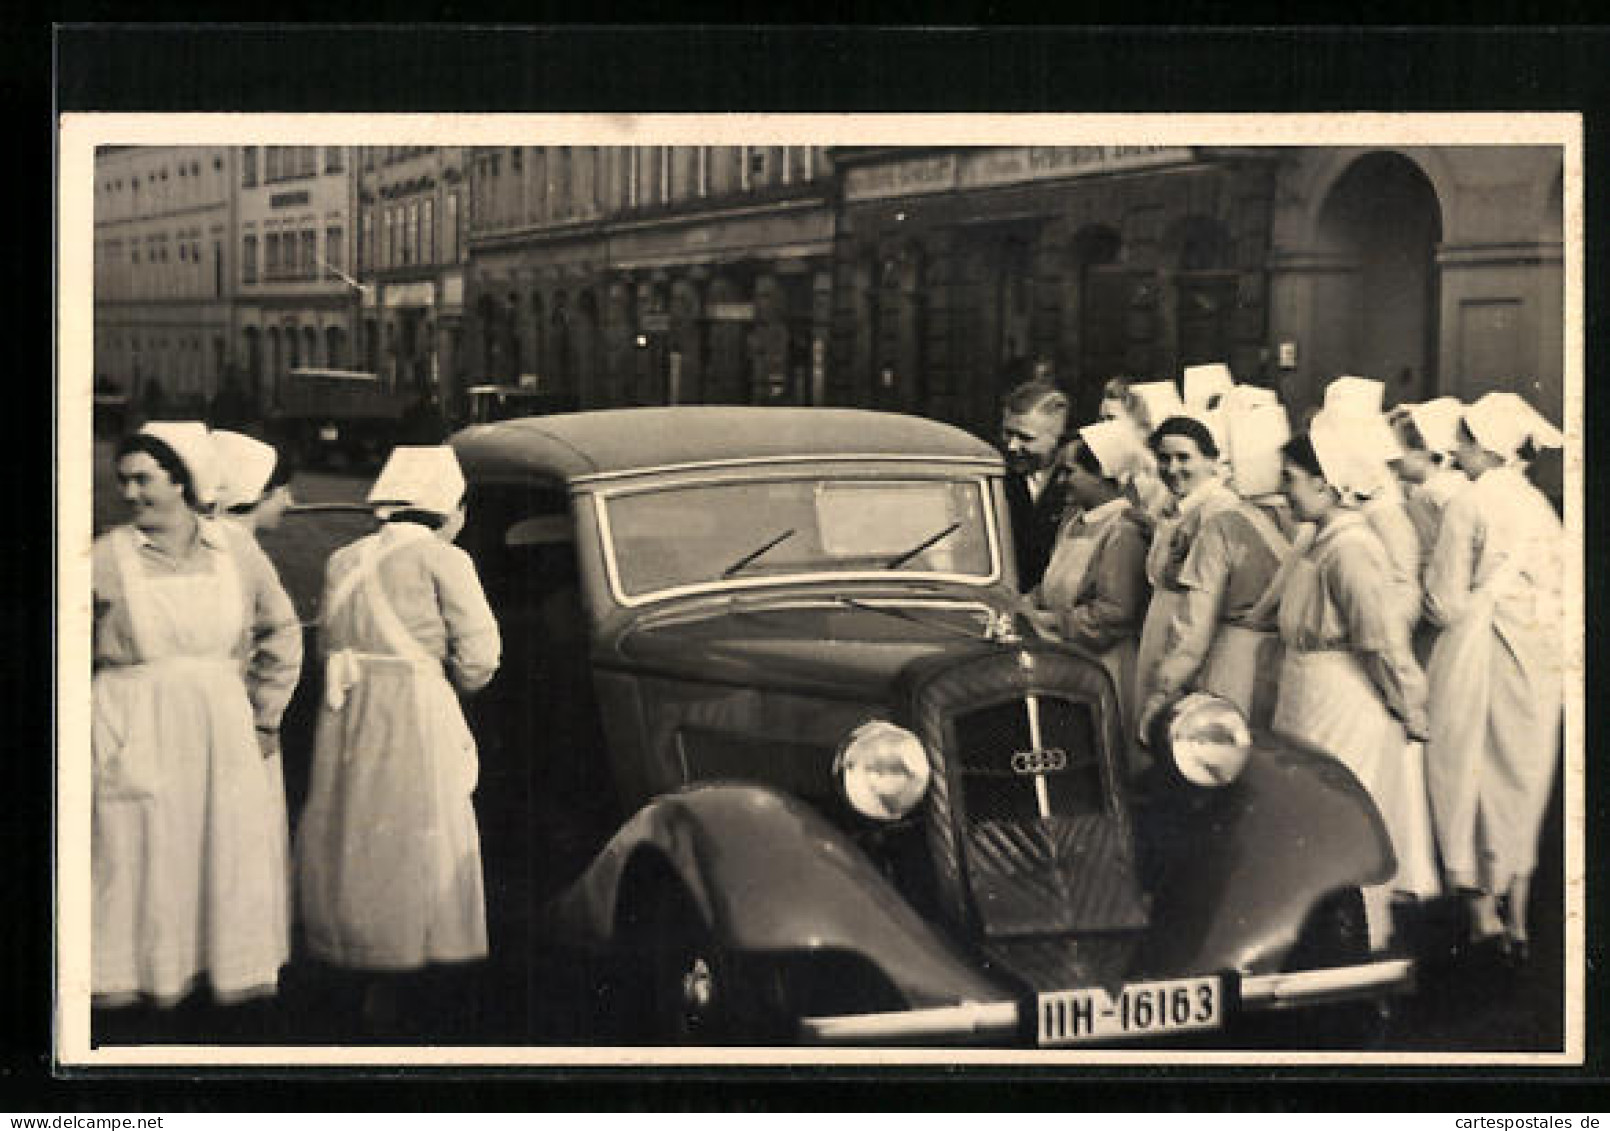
pixel 652 274
pixel 1438 269
pixel 297 301
pixel 164 271
pixel 959 272
pixel 413 219
pixel 928 280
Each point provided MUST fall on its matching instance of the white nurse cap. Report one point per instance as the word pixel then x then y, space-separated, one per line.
pixel 1503 422
pixel 424 478
pixel 1256 435
pixel 1349 453
pixel 188 439
pixel 1159 400
pixel 245 465
pixel 1115 447
pixel 1205 382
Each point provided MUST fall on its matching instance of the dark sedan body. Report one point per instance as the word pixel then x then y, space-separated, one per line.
pixel 799 772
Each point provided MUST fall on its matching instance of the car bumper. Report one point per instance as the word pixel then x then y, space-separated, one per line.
pixel 1014 1020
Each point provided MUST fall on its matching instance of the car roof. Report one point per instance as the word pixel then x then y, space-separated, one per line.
pixel 579 445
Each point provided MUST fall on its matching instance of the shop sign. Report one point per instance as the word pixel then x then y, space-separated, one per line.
pixel 655 322
pixel 288 199
pixel 732 311
pixel 422 293
pixel 901 178
pixel 453 289
pixel 983 168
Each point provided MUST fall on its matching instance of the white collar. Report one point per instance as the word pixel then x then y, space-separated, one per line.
pixel 405 532
pixel 1110 509
pixel 1200 495
pixel 208 533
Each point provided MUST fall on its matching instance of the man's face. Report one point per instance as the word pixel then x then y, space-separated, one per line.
pixel 1030 439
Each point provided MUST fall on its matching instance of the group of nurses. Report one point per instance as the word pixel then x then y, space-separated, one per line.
pixel 1408 624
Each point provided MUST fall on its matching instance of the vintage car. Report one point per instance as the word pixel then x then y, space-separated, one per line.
pixel 772 746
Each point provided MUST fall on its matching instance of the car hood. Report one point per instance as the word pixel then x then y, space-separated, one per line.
pixel 844 647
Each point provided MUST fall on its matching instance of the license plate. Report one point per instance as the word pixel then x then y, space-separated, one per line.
pixel 329 433
pixel 1068 1017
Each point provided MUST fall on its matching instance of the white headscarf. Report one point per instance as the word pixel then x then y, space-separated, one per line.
pixel 1437 421
pixel 1349 455
pixel 1256 435
pixel 1503 422
pixel 1116 448
pixel 1355 396
pixel 1357 401
pixel 190 441
pixel 1159 400
pixel 1205 382
pixel 423 478
pixel 245 466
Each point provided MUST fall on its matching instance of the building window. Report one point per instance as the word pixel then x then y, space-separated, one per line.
pixel 248 167
pixel 450 229
pixel 411 234
pixel 333 160
pixel 427 231
pixel 271 256
pixel 335 248
pixel 271 163
pixel 366 247
pixel 310 253
pixel 385 245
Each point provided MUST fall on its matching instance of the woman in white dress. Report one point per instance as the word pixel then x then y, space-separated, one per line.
pixel 195 650
pixel 1495 585
pixel 1094 590
pixel 254 491
pixel 388 850
pixel 1428 436
pixel 1349 684
pixel 1211 567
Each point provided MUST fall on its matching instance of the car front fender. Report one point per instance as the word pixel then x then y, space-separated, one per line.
pixel 769 875
pixel 1242 867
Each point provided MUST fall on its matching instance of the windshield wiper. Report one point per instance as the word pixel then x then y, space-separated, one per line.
pixel 932 540
pixel 909 618
pixel 755 554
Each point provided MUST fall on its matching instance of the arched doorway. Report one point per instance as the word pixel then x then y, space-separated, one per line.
pixel 1377 316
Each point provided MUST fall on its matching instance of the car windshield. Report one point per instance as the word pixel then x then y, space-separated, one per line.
pixel 734 532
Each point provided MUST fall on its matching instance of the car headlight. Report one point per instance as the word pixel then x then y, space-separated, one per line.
pixel 883 770
pixel 1206 738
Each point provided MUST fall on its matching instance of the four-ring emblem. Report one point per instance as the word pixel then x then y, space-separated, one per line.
pixel 1039 761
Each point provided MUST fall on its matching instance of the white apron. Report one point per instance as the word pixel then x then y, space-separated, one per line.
pixel 388 851
pixel 186 880
pixel 1328 700
pixel 1242 663
pixel 1071 559
pixel 1495 714
pixel 1166 601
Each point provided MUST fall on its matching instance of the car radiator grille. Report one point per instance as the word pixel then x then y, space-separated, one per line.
pixel 1029 834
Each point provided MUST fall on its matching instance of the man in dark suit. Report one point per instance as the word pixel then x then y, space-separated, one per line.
pixel 1034 426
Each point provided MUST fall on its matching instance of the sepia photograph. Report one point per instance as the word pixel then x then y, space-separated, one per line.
pixel 775 589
